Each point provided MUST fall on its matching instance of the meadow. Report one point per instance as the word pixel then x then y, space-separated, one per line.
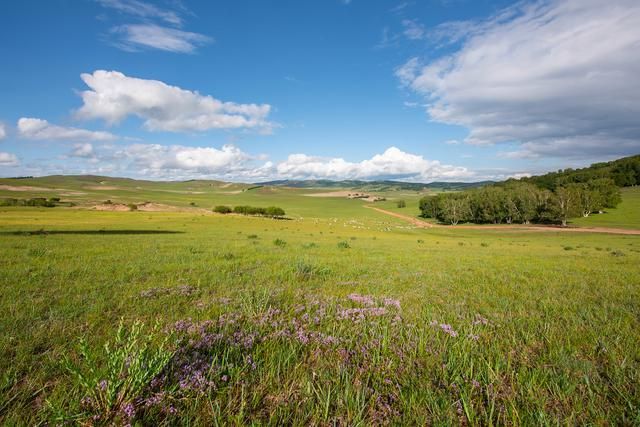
pixel 337 315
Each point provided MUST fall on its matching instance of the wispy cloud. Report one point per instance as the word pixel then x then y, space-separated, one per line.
pixel 3 131
pixel 413 30
pixel 39 129
pixel 143 9
pixel 158 28
pixel 133 37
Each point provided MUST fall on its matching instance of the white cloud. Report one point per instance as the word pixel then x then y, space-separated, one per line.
pixel 3 131
pixel 230 163
pixel 31 128
pixel 132 37
pixel 8 159
pixel 84 150
pixel 392 164
pixel 114 96
pixel 157 159
pixel 142 9
pixel 558 77
pixel 413 30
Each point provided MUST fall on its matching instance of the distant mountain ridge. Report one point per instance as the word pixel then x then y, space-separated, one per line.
pixel 373 185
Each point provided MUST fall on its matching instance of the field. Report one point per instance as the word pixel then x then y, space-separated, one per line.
pixel 337 315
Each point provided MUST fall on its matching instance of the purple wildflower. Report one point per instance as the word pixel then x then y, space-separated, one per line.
pixel 448 329
pixel 361 299
pixel 129 411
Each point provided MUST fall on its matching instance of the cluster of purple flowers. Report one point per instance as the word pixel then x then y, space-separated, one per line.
pixel 445 327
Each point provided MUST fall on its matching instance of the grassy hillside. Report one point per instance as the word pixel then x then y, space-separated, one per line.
pixel 626 215
pixel 339 315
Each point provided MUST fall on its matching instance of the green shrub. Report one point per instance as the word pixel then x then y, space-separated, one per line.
pixel 222 209
pixel 401 204
pixel 132 207
pixel 279 242
pixel 274 212
pixel 343 245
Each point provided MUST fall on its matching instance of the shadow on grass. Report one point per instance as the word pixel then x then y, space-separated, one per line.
pixel 90 232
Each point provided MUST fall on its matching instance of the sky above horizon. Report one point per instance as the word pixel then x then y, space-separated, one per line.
pixel 248 90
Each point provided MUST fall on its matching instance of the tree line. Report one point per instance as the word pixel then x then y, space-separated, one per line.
pixel 523 202
pixel 624 172
pixel 271 211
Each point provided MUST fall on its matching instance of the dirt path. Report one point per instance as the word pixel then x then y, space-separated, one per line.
pixel 511 227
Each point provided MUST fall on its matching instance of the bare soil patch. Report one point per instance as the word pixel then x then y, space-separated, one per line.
pixel 25 188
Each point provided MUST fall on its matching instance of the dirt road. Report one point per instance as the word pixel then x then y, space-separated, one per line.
pixel 510 227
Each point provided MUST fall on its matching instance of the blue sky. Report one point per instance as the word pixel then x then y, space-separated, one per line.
pixel 252 90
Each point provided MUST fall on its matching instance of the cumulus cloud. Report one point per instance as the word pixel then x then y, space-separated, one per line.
pixel 392 164
pixel 558 77
pixel 114 96
pixel 83 150
pixel 231 163
pixel 3 131
pixel 156 159
pixel 142 9
pixel 8 159
pixel 132 37
pixel 32 128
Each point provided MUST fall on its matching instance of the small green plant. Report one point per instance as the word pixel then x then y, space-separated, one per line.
pixel 484 244
pixel 113 380
pixel 420 241
pixel 401 204
pixel 343 245
pixel 37 252
pixel 568 248
pixel 280 243
pixel 252 236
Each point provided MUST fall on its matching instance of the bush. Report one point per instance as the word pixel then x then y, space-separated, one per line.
pixel 271 211
pixel 222 209
pixel 132 207
pixel 343 245
pixel 401 204
pixel 280 243
pixel 274 212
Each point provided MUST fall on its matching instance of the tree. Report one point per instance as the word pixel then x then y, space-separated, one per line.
pixel 527 200
pixel 566 203
pixel 222 209
pixel 456 208
pixel 401 204
pixel 589 199
pixel 430 206
pixel 609 193
pixel 274 212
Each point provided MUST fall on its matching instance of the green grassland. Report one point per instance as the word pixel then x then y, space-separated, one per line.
pixel 626 215
pixel 338 315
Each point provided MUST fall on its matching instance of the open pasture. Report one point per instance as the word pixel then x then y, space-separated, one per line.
pixel 339 315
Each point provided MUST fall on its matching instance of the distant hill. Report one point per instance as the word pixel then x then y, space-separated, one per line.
pixel 625 172
pixel 384 185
